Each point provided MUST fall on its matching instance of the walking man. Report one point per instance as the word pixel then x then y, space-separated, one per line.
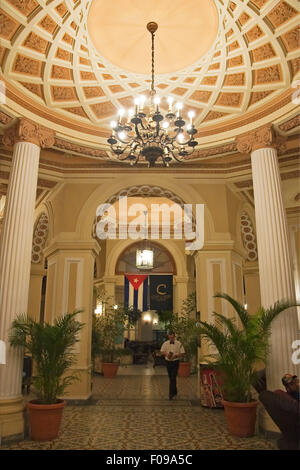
pixel 172 350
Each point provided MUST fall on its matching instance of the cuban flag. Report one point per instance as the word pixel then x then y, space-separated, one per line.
pixel 136 291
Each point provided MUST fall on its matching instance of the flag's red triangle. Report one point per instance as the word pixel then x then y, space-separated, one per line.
pixel 136 279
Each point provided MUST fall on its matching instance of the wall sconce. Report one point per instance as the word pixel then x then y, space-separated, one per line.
pixel 116 307
pixel 147 318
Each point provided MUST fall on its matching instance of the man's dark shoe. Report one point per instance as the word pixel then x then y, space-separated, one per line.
pixel 171 397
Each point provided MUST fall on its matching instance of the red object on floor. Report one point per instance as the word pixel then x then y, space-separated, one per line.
pixel 210 387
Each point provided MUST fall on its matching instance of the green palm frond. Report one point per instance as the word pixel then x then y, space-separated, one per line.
pixel 267 316
pixel 228 322
pixel 239 308
pixel 214 334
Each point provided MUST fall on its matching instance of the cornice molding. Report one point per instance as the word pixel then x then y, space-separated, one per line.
pixel 263 137
pixel 224 246
pixel 73 246
pixel 24 130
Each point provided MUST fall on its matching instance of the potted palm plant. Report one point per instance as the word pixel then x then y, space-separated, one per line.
pixel 239 348
pixel 186 329
pixel 51 349
pixel 108 327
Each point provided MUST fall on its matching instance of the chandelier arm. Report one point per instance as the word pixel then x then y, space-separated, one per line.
pixel 123 159
pixel 176 158
pixel 123 141
pixel 138 134
pixel 157 129
pixel 115 148
pixel 137 159
pixel 143 126
pixel 119 150
pixel 180 144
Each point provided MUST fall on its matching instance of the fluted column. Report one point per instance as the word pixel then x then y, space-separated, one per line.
pixel 15 260
pixel 275 268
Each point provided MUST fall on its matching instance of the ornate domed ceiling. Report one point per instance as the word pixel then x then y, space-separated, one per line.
pixel 237 74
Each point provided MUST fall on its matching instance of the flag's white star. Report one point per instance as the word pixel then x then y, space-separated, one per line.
pixel 136 280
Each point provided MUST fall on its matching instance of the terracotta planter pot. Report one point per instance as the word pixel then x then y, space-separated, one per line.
pixel 110 369
pixel 184 369
pixel 240 418
pixel 44 420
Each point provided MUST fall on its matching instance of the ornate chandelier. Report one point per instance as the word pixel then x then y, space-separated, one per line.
pixel 152 135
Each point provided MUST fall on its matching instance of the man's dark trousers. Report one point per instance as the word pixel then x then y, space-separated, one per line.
pixel 172 368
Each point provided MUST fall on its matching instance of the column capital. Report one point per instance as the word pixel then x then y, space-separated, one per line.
pixel 110 279
pixel 181 279
pixel 25 130
pixel 72 246
pixel 263 137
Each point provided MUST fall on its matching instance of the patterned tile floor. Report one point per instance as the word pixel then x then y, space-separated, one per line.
pixel 132 412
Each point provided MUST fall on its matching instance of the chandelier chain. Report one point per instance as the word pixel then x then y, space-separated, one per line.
pixel 152 86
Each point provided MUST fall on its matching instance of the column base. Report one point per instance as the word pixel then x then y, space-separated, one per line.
pixel 12 420
pixel 80 391
pixel 79 401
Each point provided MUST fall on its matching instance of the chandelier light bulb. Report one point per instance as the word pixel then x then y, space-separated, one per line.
pixel 156 102
pixel 113 124
pixel 180 137
pixel 130 115
pixel 179 107
pixel 121 112
pixel 142 101
pixel 170 101
pixel 122 135
pixel 191 115
pixel 137 103
pixel 165 124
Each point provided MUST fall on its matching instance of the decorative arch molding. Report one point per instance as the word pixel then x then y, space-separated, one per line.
pixel 181 194
pixel 40 235
pixel 146 190
pixel 169 245
pixel 248 236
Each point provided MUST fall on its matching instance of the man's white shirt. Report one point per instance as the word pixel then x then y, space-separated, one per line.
pixel 175 348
